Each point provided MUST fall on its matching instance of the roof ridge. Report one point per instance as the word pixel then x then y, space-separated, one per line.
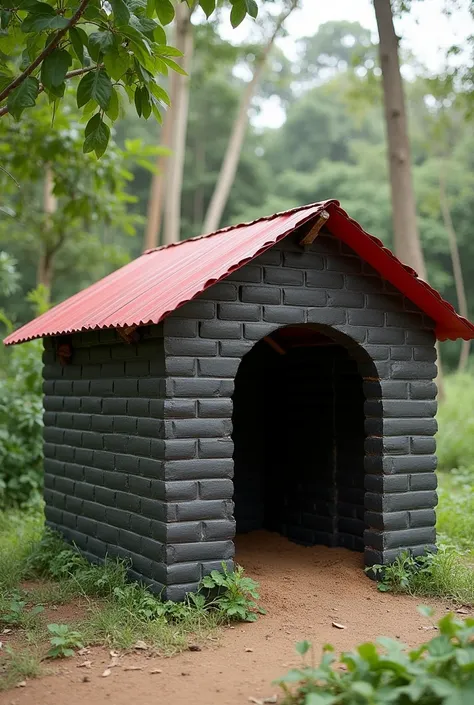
pixel 236 226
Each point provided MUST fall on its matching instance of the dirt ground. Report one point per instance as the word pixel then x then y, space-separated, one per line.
pixel 304 591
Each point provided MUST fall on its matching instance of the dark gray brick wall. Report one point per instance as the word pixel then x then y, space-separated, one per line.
pixel 104 449
pixel 138 438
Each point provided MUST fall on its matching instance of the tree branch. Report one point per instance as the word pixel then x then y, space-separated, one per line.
pixel 70 74
pixel 48 50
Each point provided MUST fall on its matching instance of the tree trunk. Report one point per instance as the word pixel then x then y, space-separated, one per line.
pixel 44 275
pixel 174 176
pixel 456 260
pixel 234 147
pixel 407 244
pixel 157 186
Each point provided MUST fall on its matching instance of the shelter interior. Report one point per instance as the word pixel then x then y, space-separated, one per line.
pixel 298 432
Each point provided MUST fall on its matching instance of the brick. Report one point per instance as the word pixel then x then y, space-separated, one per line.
pixel 177 328
pixel 235 348
pixel 386 336
pixel 350 263
pixel 125 388
pixel 205 509
pixel 346 299
pixel 87 526
pixel 220 330
pixel 214 408
pixel 216 489
pixel 377 352
pixel 124 424
pixel 140 525
pixel 84 490
pixel 127 501
pixel 184 532
pixel 324 280
pixel 387 521
pixel 414 370
pixel 95 510
pixel 116 481
pixel 422 390
pixel 151 428
pixel 64 485
pixel 401 352
pixel 218 530
pixel 239 312
pixel 420 337
pixel 82 422
pixel 271 256
pixel 201 428
pixel 422 445
pixel 181 491
pixel 130 541
pixel 105 496
pixel 180 366
pixel 410 427
pixel 391 445
pixel 201 550
pixel 102 387
pixel 422 517
pixel 94 475
pixel 281 276
pixel 386 483
pixel 260 294
pixel 408 500
pixel 53 435
pixel 410 537
pixel 424 353
pixel 403 320
pixel 365 317
pixel 218 367
pixel 103 460
pixel 196 387
pixel 194 309
pixel 303 260
pixel 248 273
pixel 304 297
pixel 216 448
pixel 287 314
pixel 152 549
pixel 180 409
pixel 72 404
pixel 199 469
pixel 180 449
pixel 107 534
pixel 393 389
pixel 115 442
pixel 409 409
pixel 327 316
pixel 117 517
pixel 383 302
pixel 151 467
pixel 65 453
pixel 256 331
pixel 183 573
pixel 140 486
pixel 423 481
pixel 194 347
pixel 222 291
pixel 102 424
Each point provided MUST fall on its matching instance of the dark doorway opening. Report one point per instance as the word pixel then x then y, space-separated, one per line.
pixel 298 432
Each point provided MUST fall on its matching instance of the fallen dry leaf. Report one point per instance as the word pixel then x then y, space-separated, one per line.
pixel 272 699
pixel 21 684
pixel 86 664
pixel 249 651
pixel 83 651
pixel 113 663
pixel 255 701
pixel 7 631
pixel 338 626
pixel 194 647
pixel 156 670
pixel 106 673
pixel 462 610
pixel 141 645
pixel 133 668
pixel 114 654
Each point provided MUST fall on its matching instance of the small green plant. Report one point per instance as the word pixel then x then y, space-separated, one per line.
pixel 17 615
pixel 233 593
pixel 64 641
pixel 440 672
pixel 19 665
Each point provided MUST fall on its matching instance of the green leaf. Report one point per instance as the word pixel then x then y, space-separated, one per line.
pixel 159 93
pixel 302 647
pixel 173 65
pixel 55 67
pixel 114 106
pixel 425 610
pixel 121 11
pixel 43 18
pixel 100 43
pixel 238 12
pixel 24 96
pixel 164 10
pixel 208 6
pixel 252 8
pixel 164 50
pixel 138 101
pixel 97 136
pixel 5 17
pixel 362 688
pixel 117 62
pixel 77 41
pixel 97 86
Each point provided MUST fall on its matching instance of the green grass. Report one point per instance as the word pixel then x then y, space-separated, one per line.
pixel 38 571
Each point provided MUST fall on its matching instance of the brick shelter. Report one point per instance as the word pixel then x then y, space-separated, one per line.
pixel 275 375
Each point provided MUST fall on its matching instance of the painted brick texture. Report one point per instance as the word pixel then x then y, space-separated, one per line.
pixel 138 439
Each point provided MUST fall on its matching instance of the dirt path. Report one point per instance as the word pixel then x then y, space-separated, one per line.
pixel 303 589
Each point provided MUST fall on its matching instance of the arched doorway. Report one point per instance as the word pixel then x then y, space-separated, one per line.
pixel 298 432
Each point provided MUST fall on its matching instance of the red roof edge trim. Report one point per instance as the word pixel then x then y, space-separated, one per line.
pixel 449 325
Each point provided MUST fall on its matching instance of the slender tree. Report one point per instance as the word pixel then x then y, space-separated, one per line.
pixel 234 147
pixel 45 262
pixel 179 118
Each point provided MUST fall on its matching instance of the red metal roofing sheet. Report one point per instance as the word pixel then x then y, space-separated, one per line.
pixel 155 284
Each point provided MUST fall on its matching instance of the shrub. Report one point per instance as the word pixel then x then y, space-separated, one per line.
pixel 456 423
pixel 440 672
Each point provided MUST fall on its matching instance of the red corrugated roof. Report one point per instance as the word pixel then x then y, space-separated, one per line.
pixel 155 284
